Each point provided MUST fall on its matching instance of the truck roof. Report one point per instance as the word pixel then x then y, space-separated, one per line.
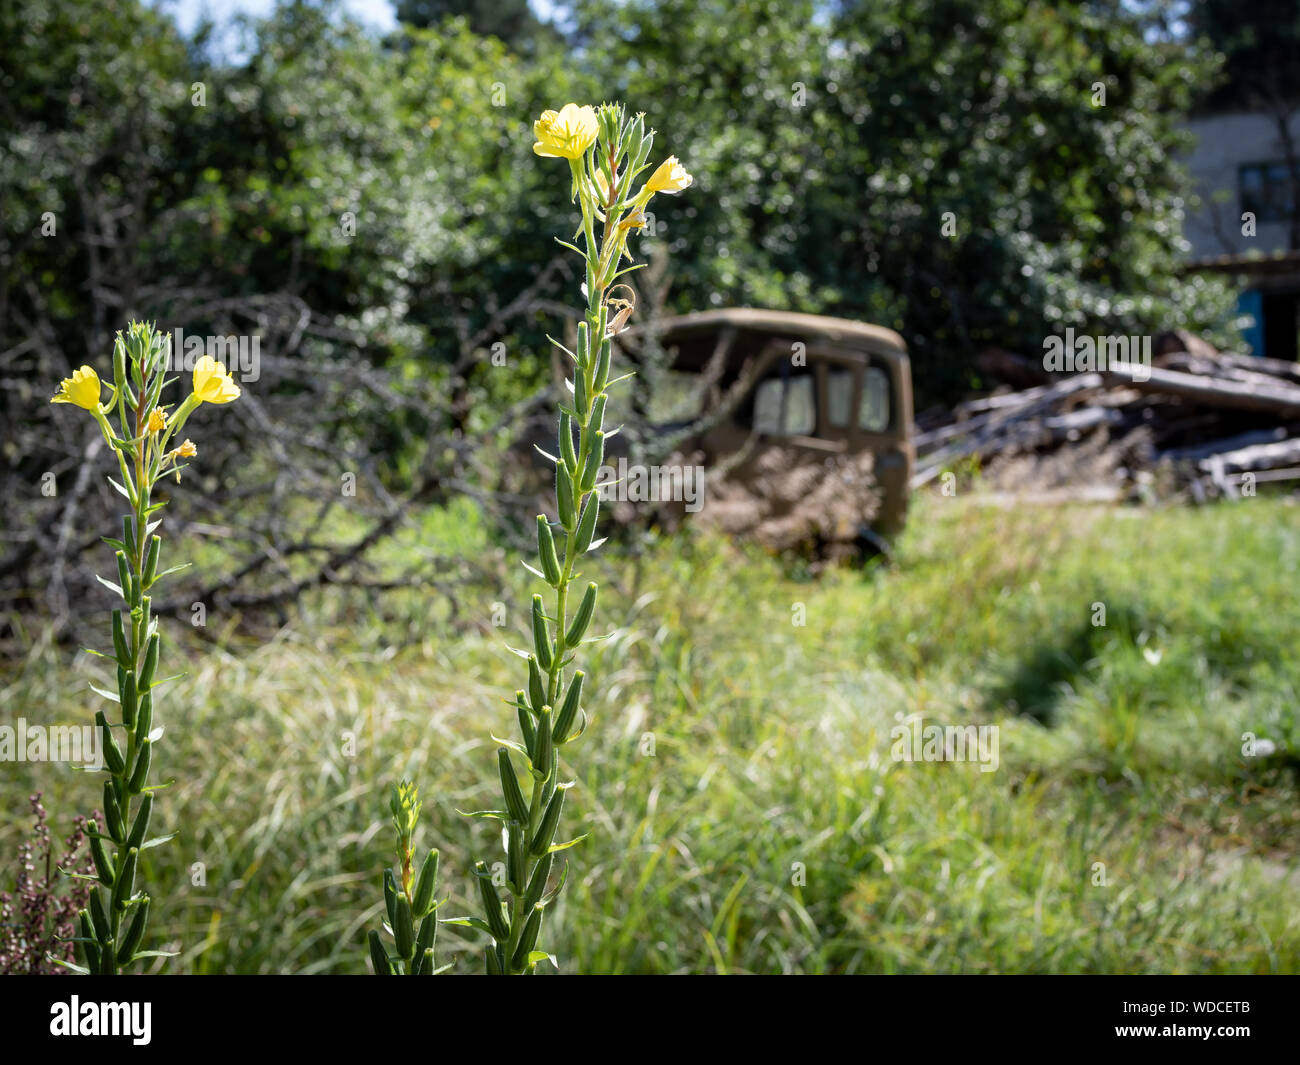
pixel 691 333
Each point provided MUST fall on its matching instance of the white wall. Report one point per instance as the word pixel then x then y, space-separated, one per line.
pixel 1225 142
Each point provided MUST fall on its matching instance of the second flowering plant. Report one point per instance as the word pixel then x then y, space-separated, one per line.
pixel 607 151
pixel 144 440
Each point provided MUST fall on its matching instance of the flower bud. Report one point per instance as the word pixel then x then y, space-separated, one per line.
pixel 404 930
pixel 491 903
pixel 141 771
pixel 135 932
pixel 566 442
pixel 595 457
pixel 102 865
pixel 546 551
pixel 527 941
pixel 141 824
pixel 119 641
pixel 544 747
pixel 378 956
pixel 517 856
pixel 150 665
pixel 516 807
pixel 587 524
pixel 541 636
pixel 113 820
pixel 536 691
pixel 550 821
pixel 569 708
pixel 425 885
pixel 564 493
pixel 525 719
pixel 537 884
pixel 125 883
pixel 582 618
pixel 112 752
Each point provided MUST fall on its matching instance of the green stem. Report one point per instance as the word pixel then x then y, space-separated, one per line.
pixel 597 265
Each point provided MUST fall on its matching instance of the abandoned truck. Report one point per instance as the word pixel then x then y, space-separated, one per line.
pixel 790 430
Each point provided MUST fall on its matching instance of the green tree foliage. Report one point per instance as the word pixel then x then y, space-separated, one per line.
pixel 831 152
pixel 1260 42
pixel 385 184
pixel 382 186
pixel 511 21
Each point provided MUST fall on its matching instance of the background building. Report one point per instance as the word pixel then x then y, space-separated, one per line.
pixel 1245 173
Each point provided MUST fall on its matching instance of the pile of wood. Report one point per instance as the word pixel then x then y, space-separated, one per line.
pixel 1200 423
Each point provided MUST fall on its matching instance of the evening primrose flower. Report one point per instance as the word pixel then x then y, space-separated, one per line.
pixel 212 384
pixel 635 219
pixel 81 389
pixel 565 134
pixel 670 177
pixel 157 420
pixel 186 450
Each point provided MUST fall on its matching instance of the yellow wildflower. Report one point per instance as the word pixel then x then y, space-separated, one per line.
pixel 211 382
pixel 187 450
pixel 157 420
pixel 81 389
pixel 670 177
pixel 565 134
pixel 634 220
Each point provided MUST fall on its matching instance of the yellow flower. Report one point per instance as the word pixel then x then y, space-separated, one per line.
pixel 81 389
pixel 670 177
pixel 634 220
pixel 157 420
pixel 211 382
pixel 565 134
pixel 187 450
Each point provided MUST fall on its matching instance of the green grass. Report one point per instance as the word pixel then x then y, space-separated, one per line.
pixel 744 810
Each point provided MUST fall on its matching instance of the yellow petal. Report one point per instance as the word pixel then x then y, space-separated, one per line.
pixel 566 133
pixel 211 382
pixel 670 177
pixel 81 389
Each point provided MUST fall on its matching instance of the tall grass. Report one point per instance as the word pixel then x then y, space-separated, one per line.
pixel 746 813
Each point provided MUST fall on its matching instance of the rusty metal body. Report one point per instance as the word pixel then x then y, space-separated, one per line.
pixel 815 445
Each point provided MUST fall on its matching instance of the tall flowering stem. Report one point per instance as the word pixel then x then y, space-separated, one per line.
pixel 111 929
pixel 607 152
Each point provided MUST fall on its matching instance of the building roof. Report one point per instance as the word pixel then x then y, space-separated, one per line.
pixel 1252 263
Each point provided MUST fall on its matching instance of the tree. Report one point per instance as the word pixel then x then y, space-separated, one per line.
pixel 511 21
pixel 948 168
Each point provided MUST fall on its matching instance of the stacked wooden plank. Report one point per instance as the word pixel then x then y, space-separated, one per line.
pixel 1205 425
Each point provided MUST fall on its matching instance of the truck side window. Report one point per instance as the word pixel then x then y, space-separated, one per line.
pixel 767 405
pixel 786 406
pixel 839 398
pixel 873 412
pixel 800 416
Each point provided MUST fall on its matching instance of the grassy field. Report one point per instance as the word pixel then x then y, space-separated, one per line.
pixel 737 780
